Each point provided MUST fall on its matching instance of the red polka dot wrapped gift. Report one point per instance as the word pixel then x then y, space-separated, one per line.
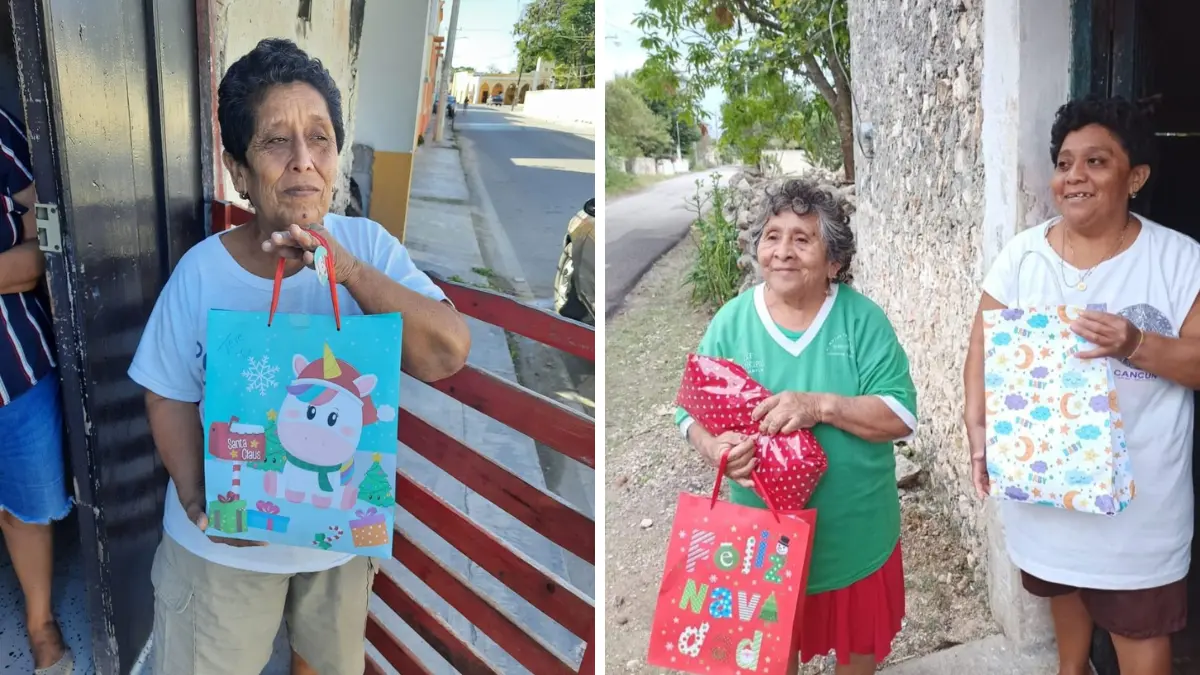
pixel 720 396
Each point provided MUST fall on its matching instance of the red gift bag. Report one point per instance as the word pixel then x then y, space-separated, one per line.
pixel 733 588
pixel 720 396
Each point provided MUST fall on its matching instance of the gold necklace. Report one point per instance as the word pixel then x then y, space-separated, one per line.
pixel 1081 283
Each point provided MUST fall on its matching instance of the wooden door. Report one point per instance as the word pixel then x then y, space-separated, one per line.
pixel 111 101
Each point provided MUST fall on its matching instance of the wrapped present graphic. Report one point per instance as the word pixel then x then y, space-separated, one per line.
pixel 370 528
pixel 1054 431
pixel 720 396
pixel 237 442
pixel 228 513
pixel 267 517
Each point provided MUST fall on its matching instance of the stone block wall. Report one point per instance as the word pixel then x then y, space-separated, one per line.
pixel 916 66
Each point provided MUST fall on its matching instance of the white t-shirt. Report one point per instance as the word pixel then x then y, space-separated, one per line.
pixel 170 357
pixel 1153 283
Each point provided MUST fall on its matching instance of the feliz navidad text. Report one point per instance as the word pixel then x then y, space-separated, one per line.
pixel 751 562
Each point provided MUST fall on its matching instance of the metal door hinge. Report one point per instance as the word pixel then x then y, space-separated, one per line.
pixel 49 228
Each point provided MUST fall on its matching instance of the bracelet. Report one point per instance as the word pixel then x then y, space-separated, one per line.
pixel 1141 339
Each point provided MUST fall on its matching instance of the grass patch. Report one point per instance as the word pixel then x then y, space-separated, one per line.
pixel 621 183
pixel 714 276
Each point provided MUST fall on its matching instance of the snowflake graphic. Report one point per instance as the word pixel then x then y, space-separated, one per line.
pixel 670 647
pixel 712 579
pixel 682 535
pixel 260 376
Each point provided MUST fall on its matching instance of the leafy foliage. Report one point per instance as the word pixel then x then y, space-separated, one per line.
pixel 714 276
pixel 563 31
pixel 780 63
pixel 631 127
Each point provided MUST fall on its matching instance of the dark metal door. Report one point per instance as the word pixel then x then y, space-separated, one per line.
pixel 111 101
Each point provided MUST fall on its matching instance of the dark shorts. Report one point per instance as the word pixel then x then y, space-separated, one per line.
pixel 1140 614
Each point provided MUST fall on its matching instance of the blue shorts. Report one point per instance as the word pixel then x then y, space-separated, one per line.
pixel 33 486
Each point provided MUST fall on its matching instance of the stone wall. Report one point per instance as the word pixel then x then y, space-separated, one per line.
pixel 916 66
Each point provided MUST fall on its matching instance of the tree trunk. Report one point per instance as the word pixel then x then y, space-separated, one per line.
pixel 845 122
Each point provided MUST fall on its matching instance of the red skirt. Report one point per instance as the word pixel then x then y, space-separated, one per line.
pixel 861 618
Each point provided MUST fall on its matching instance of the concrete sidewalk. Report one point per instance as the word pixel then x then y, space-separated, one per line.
pixel 993 655
pixel 441 237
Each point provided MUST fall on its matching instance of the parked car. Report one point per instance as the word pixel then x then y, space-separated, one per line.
pixel 575 280
pixel 498 99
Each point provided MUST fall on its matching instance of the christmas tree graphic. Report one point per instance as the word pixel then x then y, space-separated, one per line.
pixel 770 610
pixel 375 488
pixel 275 458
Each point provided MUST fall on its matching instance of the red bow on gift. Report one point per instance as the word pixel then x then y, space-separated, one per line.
pixel 227 497
pixel 721 396
pixel 267 507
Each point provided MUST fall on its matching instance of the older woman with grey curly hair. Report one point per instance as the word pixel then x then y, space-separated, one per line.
pixel 834 361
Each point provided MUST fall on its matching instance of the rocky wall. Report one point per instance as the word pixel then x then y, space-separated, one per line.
pixel 916 66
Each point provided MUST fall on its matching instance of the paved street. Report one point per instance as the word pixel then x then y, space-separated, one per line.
pixel 641 227
pixel 538 176
pixel 529 178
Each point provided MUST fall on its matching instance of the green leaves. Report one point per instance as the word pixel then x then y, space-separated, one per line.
pixel 563 31
pixel 782 65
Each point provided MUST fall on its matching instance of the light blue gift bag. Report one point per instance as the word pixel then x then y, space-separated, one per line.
pixel 300 426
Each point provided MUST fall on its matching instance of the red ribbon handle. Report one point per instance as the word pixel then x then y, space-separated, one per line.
pixel 279 269
pixel 762 491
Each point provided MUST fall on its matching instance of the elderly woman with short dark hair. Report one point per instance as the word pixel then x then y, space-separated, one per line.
pixel 219 602
pixel 833 360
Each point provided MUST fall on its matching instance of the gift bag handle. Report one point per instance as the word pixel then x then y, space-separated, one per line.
pixel 1062 294
pixel 279 269
pixel 753 476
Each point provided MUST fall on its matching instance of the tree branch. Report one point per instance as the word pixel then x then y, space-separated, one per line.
pixel 812 72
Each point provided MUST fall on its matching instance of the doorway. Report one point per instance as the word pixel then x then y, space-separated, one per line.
pixel 1145 51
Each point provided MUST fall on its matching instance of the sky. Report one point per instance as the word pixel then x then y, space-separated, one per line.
pixel 484 37
pixel 624 54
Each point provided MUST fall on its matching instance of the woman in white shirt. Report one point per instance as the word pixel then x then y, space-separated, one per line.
pixel 1125 573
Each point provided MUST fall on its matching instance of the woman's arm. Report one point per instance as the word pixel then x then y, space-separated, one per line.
pixel 22 266
pixel 1174 359
pixel 178 435
pixel 975 409
pixel 867 417
pixel 436 339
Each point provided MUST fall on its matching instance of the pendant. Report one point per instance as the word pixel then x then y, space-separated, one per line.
pixel 1081 286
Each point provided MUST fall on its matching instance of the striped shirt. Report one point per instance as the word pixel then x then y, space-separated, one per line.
pixel 25 332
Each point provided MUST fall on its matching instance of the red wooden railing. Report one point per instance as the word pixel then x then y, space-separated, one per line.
pixel 539 418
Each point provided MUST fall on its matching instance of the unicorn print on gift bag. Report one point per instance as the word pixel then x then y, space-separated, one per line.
pixel 300 426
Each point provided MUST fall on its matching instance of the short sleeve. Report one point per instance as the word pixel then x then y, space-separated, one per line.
pixel 14 154
pixel 1001 280
pixel 389 256
pixel 883 368
pixel 169 358
pixel 1185 284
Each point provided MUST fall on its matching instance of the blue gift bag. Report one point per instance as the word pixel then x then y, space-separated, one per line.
pixel 300 427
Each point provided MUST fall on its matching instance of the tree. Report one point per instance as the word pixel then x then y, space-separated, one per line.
pixel 563 31
pixel 631 128
pixel 735 45
pixel 375 488
pixel 275 458
pixel 770 610
pixel 684 133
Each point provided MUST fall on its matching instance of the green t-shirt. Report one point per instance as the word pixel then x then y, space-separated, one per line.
pixel 850 349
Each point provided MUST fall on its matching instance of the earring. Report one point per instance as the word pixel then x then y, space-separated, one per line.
pixel 244 195
pixel 1133 195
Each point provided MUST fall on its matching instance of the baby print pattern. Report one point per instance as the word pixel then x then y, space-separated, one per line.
pixel 1054 430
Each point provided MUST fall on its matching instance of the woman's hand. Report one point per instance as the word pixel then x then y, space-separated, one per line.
pixel 1114 336
pixel 979 474
pixel 788 411
pixel 741 460
pixel 295 243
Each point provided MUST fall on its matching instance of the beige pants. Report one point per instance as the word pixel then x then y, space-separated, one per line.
pixel 210 619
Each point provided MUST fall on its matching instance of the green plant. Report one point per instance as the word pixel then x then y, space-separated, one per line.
pixel 714 276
